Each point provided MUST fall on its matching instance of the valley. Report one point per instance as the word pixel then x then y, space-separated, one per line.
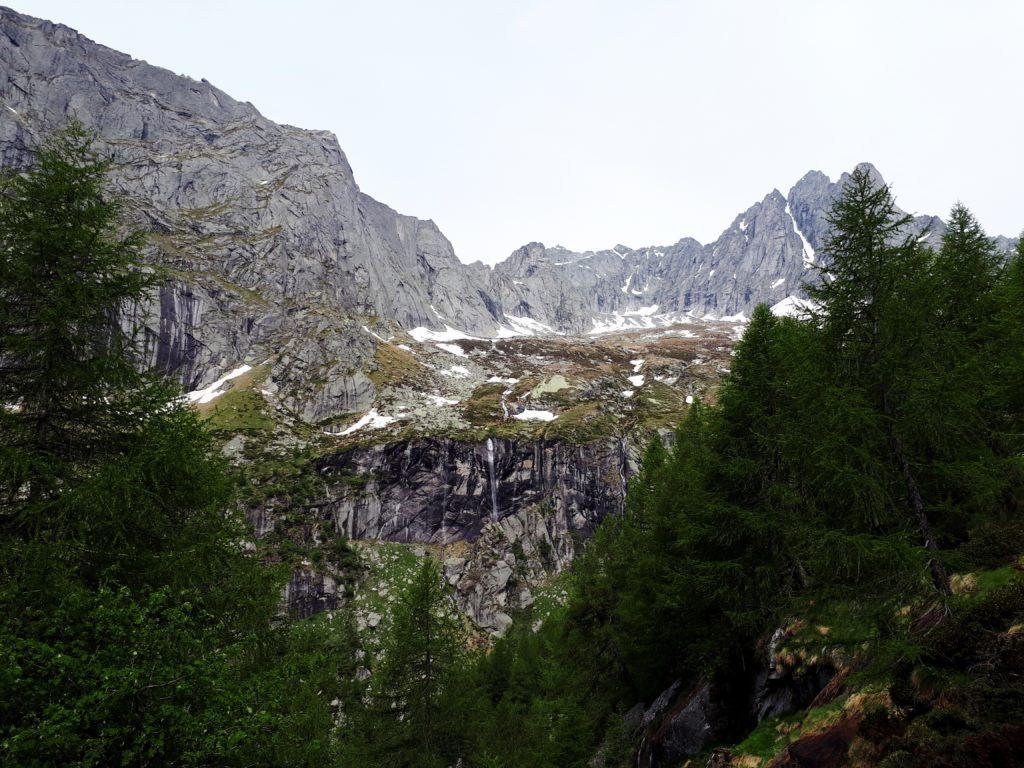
pixel 288 481
pixel 504 453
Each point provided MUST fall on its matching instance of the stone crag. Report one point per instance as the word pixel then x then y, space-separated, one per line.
pixel 496 550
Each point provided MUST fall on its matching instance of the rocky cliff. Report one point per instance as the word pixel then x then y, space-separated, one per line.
pixel 267 243
pixel 503 515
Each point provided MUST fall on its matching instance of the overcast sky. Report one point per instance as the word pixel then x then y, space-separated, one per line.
pixel 588 124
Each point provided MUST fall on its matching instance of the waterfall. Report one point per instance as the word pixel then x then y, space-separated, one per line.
pixel 494 484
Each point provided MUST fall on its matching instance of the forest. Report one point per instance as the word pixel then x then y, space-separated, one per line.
pixel 851 495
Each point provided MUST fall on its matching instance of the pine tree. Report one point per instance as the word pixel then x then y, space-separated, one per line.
pixel 134 629
pixel 416 698
pixel 750 405
pixel 967 265
pixel 1006 402
pixel 71 395
pixel 949 411
pixel 874 311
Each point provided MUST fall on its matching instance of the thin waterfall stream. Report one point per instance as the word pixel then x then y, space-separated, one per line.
pixel 494 485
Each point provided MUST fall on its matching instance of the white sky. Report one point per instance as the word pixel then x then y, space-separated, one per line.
pixel 588 124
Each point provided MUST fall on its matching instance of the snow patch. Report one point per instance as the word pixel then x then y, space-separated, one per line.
pixel 379 338
pixel 216 389
pixel 791 306
pixel 530 415
pixel 635 319
pixel 438 400
pixel 456 372
pixel 808 250
pixel 636 381
pixel 524 326
pixel 739 317
pixel 452 349
pixel 422 334
pixel 643 311
pixel 373 420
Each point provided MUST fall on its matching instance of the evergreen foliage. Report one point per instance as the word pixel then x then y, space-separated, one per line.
pixel 413 710
pixel 853 455
pixel 134 629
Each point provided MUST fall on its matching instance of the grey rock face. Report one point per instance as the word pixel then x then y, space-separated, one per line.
pixel 434 490
pixel 685 724
pixel 779 689
pixel 767 254
pixel 548 498
pixel 760 258
pixel 267 240
pixel 272 253
pixel 309 592
pixel 684 719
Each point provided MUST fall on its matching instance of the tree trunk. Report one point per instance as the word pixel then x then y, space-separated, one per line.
pixel 939 576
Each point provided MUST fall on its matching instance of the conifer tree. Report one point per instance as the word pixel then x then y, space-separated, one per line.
pixel 415 703
pixel 967 266
pixel 72 396
pixel 1007 395
pixel 134 629
pixel 873 312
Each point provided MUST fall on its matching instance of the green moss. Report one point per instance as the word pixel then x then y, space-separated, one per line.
pixel 989 581
pixel 392 565
pixel 548 601
pixel 659 405
pixel 773 734
pixel 483 406
pixel 239 411
pixel 583 423
pixel 395 366
pixel 549 386
pixel 289 479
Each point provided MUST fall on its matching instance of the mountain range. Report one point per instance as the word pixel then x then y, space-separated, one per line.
pixel 270 249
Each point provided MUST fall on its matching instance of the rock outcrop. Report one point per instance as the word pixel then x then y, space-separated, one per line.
pixel 503 518
pixel 686 719
pixel 434 490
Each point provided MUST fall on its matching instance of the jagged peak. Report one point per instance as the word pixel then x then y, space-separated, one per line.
pixel 873 173
pixel 814 175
